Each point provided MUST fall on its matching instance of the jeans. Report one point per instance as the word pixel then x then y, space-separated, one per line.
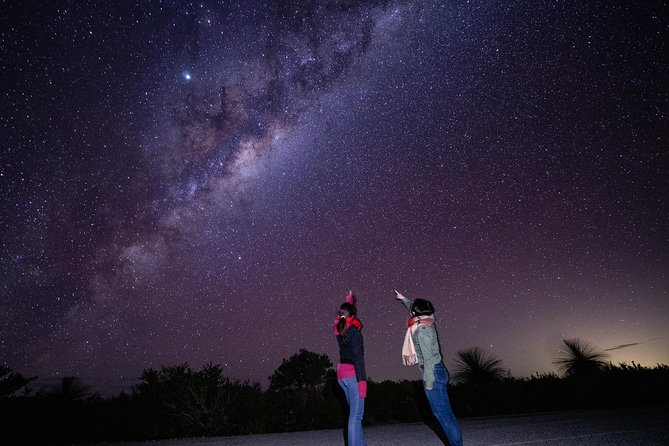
pixel 441 406
pixel 356 407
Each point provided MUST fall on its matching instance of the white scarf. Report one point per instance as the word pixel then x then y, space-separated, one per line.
pixel 408 348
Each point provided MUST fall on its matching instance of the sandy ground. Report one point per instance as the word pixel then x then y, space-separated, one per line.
pixel 607 427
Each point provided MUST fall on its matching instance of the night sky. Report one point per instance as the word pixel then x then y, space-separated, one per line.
pixel 204 182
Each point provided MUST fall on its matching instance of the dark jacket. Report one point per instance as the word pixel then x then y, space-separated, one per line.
pixel 351 351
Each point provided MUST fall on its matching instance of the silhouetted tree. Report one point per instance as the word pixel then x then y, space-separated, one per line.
pixel 11 382
pixel 580 359
pixel 303 393
pixel 474 366
pixel 303 371
pixel 69 388
pixel 177 400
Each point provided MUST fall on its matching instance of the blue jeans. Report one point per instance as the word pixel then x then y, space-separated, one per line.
pixel 356 406
pixel 441 406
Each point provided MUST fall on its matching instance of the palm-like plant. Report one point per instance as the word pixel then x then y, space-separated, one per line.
pixel 70 388
pixel 474 366
pixel 580 359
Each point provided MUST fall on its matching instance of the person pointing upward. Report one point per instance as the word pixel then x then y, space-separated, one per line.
pixel 421 346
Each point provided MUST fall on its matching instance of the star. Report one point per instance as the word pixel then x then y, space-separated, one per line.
pixel 467 155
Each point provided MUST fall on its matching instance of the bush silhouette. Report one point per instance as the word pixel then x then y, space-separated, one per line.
pixel 177 401
pixel 580 359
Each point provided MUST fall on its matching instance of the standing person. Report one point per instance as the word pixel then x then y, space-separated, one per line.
pixel 351 368
pixel 421 346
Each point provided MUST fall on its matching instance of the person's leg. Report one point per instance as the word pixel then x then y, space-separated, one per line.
pixel 441 406
pixel 356 410
pixel 345 389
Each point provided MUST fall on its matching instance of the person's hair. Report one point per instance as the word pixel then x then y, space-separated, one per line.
pixel 422 307
pixel 346 310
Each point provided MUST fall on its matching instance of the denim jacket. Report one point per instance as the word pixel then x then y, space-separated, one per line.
pixel 428 351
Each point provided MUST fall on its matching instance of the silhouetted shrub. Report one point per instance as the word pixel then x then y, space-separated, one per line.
pixel 177 401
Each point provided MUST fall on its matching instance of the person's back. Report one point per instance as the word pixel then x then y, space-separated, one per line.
pixel 421 345
pixel 351 374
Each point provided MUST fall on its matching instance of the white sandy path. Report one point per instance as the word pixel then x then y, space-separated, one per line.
pixel 608 427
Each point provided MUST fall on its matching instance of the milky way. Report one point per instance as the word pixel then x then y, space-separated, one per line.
pixel 203 182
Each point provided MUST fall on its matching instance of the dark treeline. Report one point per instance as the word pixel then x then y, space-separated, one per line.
pixel 303 394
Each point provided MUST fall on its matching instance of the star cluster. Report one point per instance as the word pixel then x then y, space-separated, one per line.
pixel 204 181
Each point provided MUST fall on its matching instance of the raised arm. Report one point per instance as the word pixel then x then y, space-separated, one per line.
pixel 405 301
pixel 351 298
